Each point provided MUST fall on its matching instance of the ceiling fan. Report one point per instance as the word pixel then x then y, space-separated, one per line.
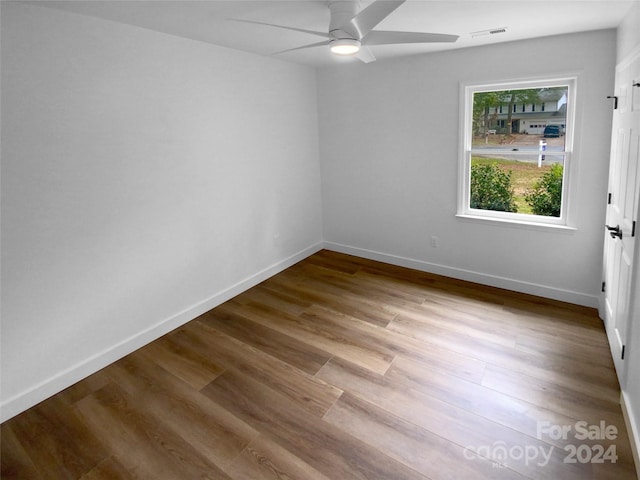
pixel 351 32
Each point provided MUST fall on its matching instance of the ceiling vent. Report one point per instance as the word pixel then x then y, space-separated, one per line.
pixel 492 31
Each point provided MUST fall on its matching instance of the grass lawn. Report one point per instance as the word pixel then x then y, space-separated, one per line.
pixel 523 176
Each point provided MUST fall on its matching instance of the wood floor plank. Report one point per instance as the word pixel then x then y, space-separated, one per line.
pixel 330 450
pixel 109 469
pixel 85 387
pixel 580 402
pixel 141 442
pixel 184 363
pixel 391 345
pixel 16 463
pixel 272 294
pixel 270 341
pixel 580 350
pixel 623 470
pixel 410 444
pixel 338 261
pixel 546 366
pixel 367 288
pixel 570 313
pixel 475 325
pixel 509 411
pixel 465 344
pixel 207 428
pixel 318 335
pixel 392 285
pixel 318 291
pixel 309 392
pixel 481 296
pixel 560 326
pixel 264 459
pixel 456 425
pixel 65 447
pixel 496 406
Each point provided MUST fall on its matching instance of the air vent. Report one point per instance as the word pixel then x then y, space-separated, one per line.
pixel 492 31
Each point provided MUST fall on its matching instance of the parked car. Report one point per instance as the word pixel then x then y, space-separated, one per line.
pixel 552 131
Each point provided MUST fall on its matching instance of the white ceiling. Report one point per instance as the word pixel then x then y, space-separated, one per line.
pixel 209 21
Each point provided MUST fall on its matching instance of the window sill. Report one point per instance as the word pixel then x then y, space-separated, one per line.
pixel 523 224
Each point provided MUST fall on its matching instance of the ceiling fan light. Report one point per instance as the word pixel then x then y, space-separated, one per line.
pixel 345 46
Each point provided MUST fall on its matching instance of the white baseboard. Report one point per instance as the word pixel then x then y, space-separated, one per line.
pixel 471 276
pixel 632 428
pixel 24 400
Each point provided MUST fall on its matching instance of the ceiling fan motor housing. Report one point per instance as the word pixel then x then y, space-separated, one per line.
pixel 342 11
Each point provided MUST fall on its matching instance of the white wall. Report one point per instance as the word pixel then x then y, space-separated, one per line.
pixel 389 137
pixel 145 178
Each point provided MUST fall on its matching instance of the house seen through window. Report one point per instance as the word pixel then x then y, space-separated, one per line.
pixel 517 144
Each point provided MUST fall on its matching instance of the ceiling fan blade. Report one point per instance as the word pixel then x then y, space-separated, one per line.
pixel 371 16
pixel 389 38
pixel 365 55
pixel 312 32
pixel 319 44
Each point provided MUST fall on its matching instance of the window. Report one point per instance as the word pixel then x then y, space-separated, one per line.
pixel 522 173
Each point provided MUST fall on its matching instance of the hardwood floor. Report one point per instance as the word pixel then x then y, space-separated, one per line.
pixel 342 368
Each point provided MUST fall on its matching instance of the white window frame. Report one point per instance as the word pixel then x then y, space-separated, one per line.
pixel 564 221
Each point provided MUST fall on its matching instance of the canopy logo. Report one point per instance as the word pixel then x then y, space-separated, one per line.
pixel 548 437
pixel 580 430
pixel 501 454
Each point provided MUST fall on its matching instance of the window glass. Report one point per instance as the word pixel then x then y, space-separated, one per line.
pixel 515 162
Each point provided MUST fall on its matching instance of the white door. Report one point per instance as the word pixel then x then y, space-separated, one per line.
pixel 622 211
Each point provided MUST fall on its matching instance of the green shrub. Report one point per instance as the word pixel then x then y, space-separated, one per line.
pixel 491 188
pixel 545 198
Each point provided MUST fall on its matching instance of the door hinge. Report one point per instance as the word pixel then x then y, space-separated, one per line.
pixel 633 229
pixel 609 199
pixel 615 101
pixel 623 351
pixel 603 286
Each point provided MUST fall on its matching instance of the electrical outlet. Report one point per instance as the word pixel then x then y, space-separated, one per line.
pixel 434 241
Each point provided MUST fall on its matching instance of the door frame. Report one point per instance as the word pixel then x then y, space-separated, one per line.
pixel 633 307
